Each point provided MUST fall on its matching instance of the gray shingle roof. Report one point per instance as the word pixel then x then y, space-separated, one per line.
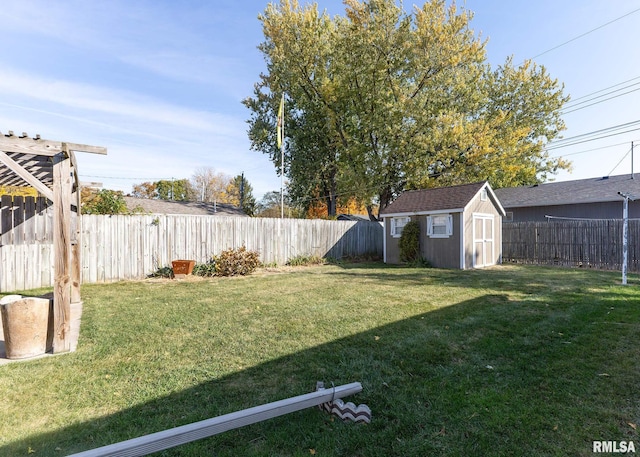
pixel 442 198
pixel 590 190
pixel 172 207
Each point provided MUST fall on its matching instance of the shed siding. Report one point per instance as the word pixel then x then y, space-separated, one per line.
pixel 441 252
pixel 393 243
pixel 482 207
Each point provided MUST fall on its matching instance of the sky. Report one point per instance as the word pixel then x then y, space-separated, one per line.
pixel 159 83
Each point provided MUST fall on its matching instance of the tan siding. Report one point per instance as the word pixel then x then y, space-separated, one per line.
pixel 468 240
pixel 392 243
pixel 442 252
pixel 483 207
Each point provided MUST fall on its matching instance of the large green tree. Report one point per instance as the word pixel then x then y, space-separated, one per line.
pixel 175 189
pixel 270 206
pixel 240 193
pixel 299 50
pixel 381 100
pixel 103 201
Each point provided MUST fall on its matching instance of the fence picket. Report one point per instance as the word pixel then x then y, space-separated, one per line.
pixel 589 243
pixel 131 247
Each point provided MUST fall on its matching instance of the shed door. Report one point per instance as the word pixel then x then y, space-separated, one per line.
pixel 483 240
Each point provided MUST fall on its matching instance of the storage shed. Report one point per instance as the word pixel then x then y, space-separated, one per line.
pixel 460 226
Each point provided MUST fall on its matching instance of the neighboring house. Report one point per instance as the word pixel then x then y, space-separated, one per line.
pixel 460 226
pixel 593 198
pixel 154 206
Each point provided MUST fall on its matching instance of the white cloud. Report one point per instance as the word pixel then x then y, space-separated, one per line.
pixel 103 100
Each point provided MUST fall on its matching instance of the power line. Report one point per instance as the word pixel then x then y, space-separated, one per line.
pixel 590 139
pixel 585 137
pixel 593 149
pixel 602 90
pixel 606 129
pixel 623 157
pixel 125 178
pixel 572 109
pixel 585 34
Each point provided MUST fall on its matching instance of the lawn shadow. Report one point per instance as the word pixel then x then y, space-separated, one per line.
pixel 543 280
pixel 381 359
pixel 467 379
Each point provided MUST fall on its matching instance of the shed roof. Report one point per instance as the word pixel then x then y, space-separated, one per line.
pixel 591 190
pixel 454 198
pixel 154 206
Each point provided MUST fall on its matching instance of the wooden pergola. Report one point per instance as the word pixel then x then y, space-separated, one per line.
pixel 51 168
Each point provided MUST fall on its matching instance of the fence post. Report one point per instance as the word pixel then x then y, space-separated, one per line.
pixel 625 233
pixel 625 238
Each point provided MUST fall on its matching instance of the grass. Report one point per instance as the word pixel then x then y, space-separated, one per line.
pixel 505 361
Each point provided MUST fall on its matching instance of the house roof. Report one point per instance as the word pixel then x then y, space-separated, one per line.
pixel 154 206
pixel 454 198
pixel 592 190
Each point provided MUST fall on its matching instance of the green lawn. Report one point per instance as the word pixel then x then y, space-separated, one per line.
pixel 505 361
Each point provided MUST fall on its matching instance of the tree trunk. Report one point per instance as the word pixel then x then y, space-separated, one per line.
pixel 332 193
pixel 372 216
pixel 331 204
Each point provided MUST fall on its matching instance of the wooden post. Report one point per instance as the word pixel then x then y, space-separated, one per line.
pixel 76 272
pixel 76 241
pixel 62 252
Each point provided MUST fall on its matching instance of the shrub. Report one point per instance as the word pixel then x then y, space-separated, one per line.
pixel 205 269
pixel 420 263
pixel 304 260
pixel 236 262
pixel 362 258
pixel 162 272
pixel 410 242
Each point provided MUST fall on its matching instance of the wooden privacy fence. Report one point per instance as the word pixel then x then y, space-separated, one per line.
pixel 26 243
pixel 588 243
pixel 131 247
pixel 25 220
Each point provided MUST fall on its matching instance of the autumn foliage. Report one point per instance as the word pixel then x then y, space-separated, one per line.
pixel 319 210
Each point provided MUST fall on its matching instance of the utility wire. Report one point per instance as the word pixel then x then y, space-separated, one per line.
pixel 571 102
pixel 624 157
pixel 126 178
pixel 590 139
pixel 584 136
pixel 572 109
pixel 586 33
pixel 593 149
